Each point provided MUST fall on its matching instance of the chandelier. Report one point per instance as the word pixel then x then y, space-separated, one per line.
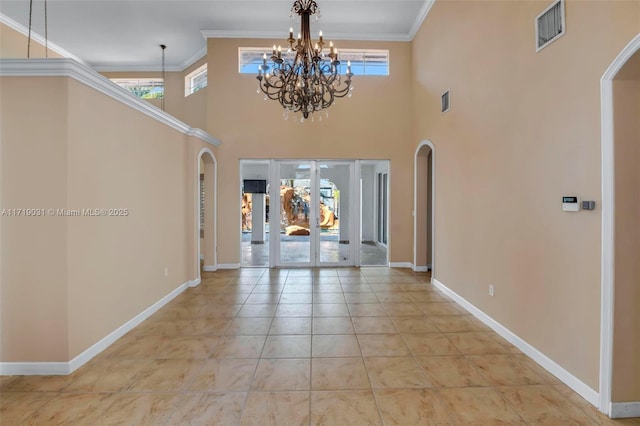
pixel 311 81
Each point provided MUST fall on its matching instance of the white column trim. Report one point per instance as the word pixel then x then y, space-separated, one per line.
pixel 428 143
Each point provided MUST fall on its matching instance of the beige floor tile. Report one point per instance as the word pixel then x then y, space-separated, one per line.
pixel 263 299
pixel 290 326
pixel 476 343
pixel 443 308
pixel 504 370
pixel 373 325
pixel 395 372
pixel 421 344
pixel 282 374
pixel 414 324
pixel 15 408
pixel 394 297
pixel 332 345
pixel 543 405
pixel 322 298
pixel 344 408
pixel 338 373
pixel 276 409
pixel 361 298
pixel 451 371
pixel 165 375
pixel 429 296
pixel 297 288
pixel 258 311
pixel 296 298
pixel 402 309
pixel 268 288
pixel 219 311
pixel 330 310
pixel 208 408
pixel 187 347
pixel 333 325
pixel 478 406
pixel 71 409
pixel 382 345
pixel 287 347
pixel 319 288
pixel 404 407
pixel 38 384
pixel 294 310
pixel 105 375
pixel 356 288
pixel 170 328
pixel 249 327
pixel 458 324
pixel 367 310
pixel 224 375
pixel 139 409
pixel 239 347
pixel 143 347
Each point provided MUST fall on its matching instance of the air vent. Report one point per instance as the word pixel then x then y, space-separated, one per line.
pixel 550 25
pixel 445 101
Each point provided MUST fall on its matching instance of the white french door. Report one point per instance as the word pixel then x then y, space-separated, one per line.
pixel 314 210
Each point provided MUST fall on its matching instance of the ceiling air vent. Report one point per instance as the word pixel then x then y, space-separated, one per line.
pixel 550 25
pixel 445 101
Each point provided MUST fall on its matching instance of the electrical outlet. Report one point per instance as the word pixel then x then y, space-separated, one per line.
pixel 166 272
pixel 491 290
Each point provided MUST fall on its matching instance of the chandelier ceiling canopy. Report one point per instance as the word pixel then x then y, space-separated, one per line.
pixel 310 82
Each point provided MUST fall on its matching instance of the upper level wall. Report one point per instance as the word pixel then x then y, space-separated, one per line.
pixel 14 45
pixel 374 124
pixel 523 131
pixel 69 281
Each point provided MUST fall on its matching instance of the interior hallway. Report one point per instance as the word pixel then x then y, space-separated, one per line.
pixel 316 346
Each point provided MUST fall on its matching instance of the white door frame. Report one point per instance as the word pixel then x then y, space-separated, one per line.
pixel 428 143
pixel 214 267
pixel 608 222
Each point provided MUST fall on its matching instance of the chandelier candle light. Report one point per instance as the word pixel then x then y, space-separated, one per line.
pixel 311 81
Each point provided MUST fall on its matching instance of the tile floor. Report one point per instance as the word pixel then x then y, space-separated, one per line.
pixel 310 347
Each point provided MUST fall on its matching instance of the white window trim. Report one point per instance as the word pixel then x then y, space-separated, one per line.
pixel 188 79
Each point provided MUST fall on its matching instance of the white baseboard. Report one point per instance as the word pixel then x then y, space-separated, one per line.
pixel 624 410
pixel 195 283
pixel 547 363
pixel 63 368
pixel 34 368
pixel 228 266
pixel 401 265
pixel 421 268
pixel 210 268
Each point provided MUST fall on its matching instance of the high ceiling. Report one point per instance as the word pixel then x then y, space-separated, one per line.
pixel 126 34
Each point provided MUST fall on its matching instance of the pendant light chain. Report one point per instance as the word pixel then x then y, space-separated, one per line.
pixel 29 39
pixel 46 30
pixel 163 77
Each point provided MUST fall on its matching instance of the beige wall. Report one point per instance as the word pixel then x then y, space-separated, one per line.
pixel 523 131
pixel 14 45
pixel 33 250
pixel 190 109
pixel 626 364
pixel 374 124
pixel 69 282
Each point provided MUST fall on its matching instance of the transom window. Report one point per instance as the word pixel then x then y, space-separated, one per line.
pixel 195 80
pixel 363 61
pixel 145 88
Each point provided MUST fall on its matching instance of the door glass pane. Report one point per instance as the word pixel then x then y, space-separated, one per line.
pixel 295 200
pixel 335 193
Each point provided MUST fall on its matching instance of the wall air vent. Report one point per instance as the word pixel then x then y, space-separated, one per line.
pixel 445 102
pixel 550 25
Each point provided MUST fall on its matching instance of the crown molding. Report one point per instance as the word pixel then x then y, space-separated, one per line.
pixel 280 35
pixel 199 54
pixel 4 19
pixel 422 15
pixel 65 67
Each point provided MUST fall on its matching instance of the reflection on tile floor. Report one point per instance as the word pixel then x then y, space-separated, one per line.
pixel 262 347
pixel 296 249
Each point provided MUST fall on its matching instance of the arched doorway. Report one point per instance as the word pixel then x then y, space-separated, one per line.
pixel 423 208
pixel 620 325
pixel 206 231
